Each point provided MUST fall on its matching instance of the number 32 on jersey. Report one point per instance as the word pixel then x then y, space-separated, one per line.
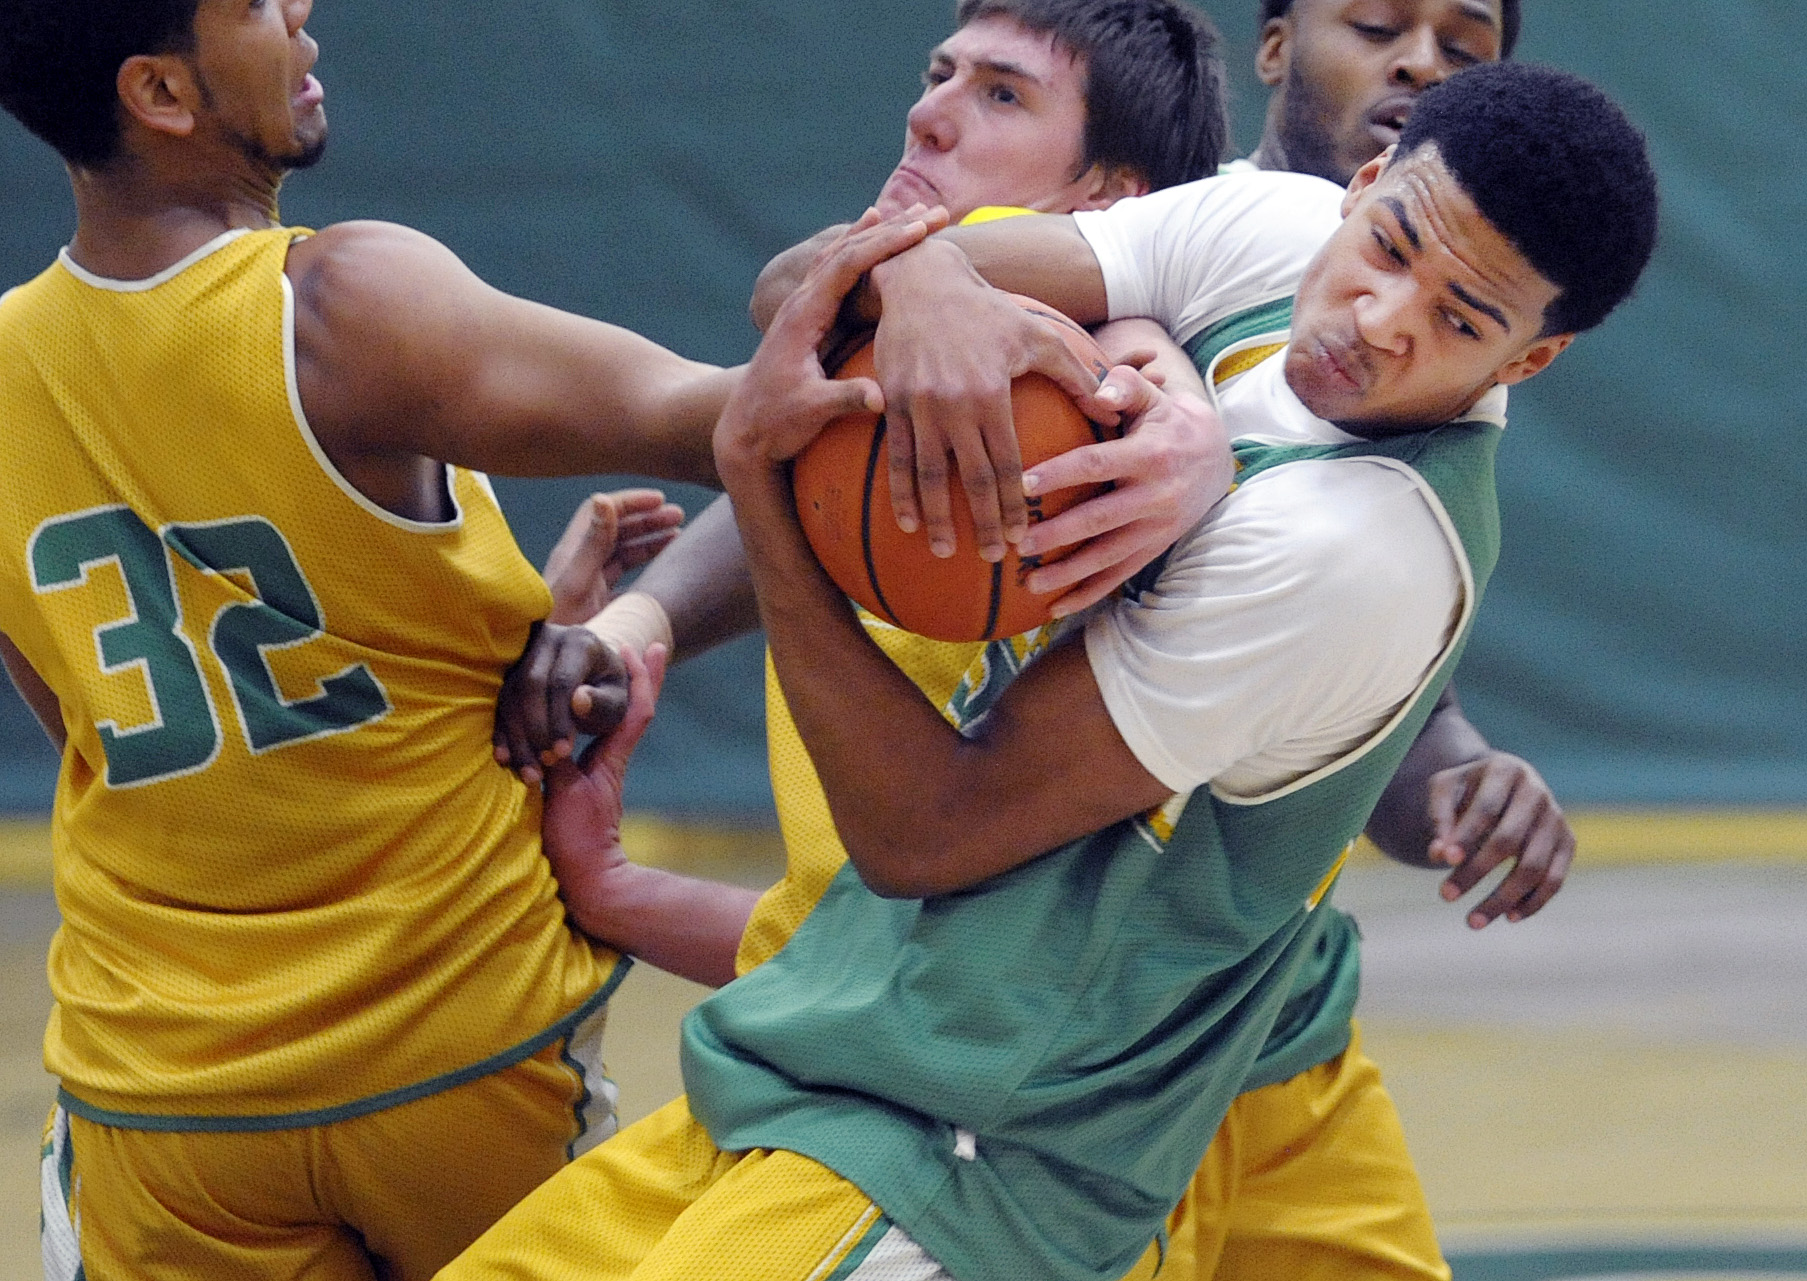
pixel 281 612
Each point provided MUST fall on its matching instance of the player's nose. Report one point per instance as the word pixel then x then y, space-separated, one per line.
pixel 1418 60
pixel 1382 315
pixel 930 121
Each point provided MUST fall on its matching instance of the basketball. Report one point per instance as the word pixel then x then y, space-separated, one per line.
pixel 843 501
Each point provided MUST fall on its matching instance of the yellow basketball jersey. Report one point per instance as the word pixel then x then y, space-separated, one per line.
pixel 813 852
pixel 294 883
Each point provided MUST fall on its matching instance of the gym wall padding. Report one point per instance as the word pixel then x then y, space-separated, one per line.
pixel 1642 641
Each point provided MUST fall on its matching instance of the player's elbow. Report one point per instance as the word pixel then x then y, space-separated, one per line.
pixel 924 858
pixel 894 869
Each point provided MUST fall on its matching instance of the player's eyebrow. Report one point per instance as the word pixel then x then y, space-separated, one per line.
pixel 1486 309
pixel 1014 69
pixel 1405 224
pixel 1480 13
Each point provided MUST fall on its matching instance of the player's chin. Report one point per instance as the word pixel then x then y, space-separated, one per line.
pixel 308 152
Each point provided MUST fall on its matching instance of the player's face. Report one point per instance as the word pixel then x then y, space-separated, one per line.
pixel 1348 71
pixel 253 61
pixel 1416 307
pixel 1001 121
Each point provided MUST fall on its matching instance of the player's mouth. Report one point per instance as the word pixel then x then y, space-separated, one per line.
pixel 1339 366
pixel 1386 119
pixel 907 187
pixel 311 94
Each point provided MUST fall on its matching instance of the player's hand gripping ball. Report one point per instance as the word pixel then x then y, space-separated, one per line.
pixel 845 510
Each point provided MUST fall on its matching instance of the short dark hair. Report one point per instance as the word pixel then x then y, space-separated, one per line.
pixel 1557 169
pixel 1154 80
pixel 60 60
pixel 1271 9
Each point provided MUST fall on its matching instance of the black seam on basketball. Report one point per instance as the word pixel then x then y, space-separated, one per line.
pixel 997 598
pixel 872 457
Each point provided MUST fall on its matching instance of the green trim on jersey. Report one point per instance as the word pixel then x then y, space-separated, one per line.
pixel 1252 322
pixel 361 1107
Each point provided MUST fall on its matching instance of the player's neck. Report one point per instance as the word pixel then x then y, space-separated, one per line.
pixel 133 222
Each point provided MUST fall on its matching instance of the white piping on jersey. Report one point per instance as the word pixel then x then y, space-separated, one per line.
pixel 350 490
pixel 149 282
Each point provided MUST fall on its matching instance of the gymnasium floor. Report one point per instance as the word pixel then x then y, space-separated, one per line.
pixel 1615 1088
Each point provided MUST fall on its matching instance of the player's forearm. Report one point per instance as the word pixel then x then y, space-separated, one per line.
pixel 37 695
pixel 702 583
pixel 683 925
pixel 1401 824
pixel 781 276
pixel 1043 257
pixel 921 808
pixel 876 742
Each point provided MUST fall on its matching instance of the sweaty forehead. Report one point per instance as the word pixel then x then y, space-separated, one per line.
pixel 1001 39
pixel 1488 12
pixel 1421 196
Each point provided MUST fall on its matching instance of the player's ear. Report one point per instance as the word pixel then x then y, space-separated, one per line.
pixel 1365 177
pixel 1105 185
pixel 1273 56
pixel 1535 359
pixel 160 92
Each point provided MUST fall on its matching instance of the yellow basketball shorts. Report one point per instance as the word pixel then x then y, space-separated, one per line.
pixel 1308 1179
pixel 394 1194
pixel 660 1202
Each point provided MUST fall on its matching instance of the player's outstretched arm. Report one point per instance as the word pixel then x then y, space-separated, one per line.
pixel 921 809
pixel 38 696
pixel 1458 802
pixel 403 353
pixel 686 926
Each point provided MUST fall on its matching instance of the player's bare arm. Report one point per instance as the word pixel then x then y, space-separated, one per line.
pixel 779 278
pixel 38 696
pixel 403 356
pixel 683 925
pixel 921 809
pixel 1458 802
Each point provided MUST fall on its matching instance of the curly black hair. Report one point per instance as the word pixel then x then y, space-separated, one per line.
pixel 1154 86
pixel 60 60
pixel 1557 169
pixel 1271 9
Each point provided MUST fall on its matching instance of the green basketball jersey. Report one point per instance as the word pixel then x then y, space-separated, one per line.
pixel 1024 1076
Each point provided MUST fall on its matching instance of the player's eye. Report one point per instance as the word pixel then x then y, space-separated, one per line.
pixel 1004 94
pixel 936 75
pixel 1387 248
pixel 1460 56
pixel 1460 324
pixel 1376 32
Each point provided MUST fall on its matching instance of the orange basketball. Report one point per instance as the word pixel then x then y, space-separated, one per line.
pixel 844 504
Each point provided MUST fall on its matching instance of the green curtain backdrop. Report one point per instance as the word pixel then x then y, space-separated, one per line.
pixel 638 162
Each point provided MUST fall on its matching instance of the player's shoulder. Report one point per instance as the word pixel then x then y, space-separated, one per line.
pixel 377 296
pixel 366 263
pixel 1274 201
